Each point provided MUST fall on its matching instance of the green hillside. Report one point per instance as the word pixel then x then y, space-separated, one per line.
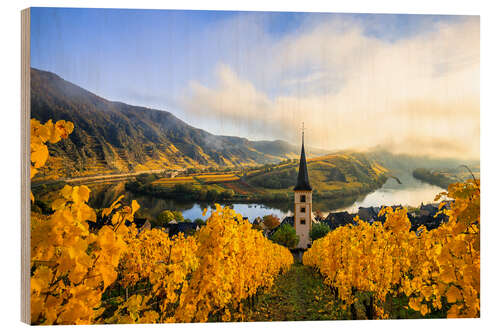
pixel 350 174
pixel 338 176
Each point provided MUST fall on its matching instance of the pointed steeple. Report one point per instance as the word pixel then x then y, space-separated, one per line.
pixel 303 177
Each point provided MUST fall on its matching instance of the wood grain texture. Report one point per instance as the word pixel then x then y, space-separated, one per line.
pixel 25 170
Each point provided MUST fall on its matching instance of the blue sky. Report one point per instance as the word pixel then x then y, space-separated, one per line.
pixel 121 54
pixel 181 61
pixel 117 53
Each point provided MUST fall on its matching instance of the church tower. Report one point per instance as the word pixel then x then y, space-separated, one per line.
pixel 303 202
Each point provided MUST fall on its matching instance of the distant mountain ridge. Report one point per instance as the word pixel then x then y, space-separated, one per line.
pixel 117 137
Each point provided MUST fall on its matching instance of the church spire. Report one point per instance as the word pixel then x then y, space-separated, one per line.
pixel 303 177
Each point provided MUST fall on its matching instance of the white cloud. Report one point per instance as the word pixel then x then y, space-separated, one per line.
pixel 419 94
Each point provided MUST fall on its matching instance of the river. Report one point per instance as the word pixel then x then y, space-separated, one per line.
pixel 411 192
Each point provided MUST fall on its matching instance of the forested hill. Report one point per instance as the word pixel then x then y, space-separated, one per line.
pixel 116 137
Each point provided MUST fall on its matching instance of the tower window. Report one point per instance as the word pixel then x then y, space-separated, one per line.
pixel 302 221
pixel 302 198
pixel 302 209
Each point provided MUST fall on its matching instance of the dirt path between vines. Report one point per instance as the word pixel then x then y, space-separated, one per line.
pixel 299 294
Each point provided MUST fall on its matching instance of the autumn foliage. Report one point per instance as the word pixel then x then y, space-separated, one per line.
pixel 78 257
pixel 75 261
pixel 436 270
pixel 40 135
pixel 271 221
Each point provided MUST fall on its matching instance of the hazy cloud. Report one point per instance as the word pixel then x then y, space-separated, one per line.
pixel 418 94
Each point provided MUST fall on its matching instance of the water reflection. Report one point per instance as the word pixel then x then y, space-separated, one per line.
pixel 412 192
pixel 389 196
pixel 251 211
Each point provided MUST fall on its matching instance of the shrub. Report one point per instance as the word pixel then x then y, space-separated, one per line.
pixel 165 217
pixel 271 221
pixel 199 221
pixel 319 230
pixel 286 236
pixel 178 216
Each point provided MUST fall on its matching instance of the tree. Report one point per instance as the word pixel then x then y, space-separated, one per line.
pixel 178 216
pixel 271 221
pixel 145 178
pixel 212 195
pixel 286 236
pixel 165 217
pixel 319 230
pixel 199 221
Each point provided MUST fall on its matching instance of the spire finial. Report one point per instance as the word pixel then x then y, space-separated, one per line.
pixel 302 133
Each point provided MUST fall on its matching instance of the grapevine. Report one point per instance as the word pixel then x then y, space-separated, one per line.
pixel 76 261
pixel 387 259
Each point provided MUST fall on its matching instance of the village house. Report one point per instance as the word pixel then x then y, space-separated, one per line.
pixel 338 219
pixel 186 228
pixel 368 214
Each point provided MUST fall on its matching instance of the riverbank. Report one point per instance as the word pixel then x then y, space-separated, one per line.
pixel 239 191
pixel 433 177
pixel 410 193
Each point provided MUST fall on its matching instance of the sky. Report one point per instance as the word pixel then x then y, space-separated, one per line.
pixel 407 83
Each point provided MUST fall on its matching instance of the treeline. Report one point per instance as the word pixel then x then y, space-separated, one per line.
pixel 432 177
pixel 186 192
pixel 204 193
pixel 352 190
